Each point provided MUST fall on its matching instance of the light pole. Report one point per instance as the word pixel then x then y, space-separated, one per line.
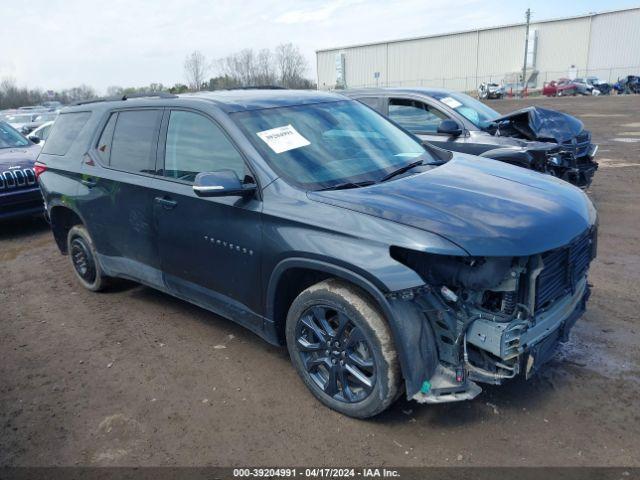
pixel 526 49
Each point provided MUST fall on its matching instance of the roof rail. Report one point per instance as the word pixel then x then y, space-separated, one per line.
pixel 151 94
pixel 261 87
pixel 126 97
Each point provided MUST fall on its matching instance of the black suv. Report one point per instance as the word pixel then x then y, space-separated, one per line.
pixel 385 266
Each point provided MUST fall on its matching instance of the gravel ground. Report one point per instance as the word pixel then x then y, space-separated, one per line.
pixel 136 377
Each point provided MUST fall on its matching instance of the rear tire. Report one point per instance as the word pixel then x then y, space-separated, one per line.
pixel 84 259
pixel 342 348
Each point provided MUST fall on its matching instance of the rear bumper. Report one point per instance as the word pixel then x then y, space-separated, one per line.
pixel 21 203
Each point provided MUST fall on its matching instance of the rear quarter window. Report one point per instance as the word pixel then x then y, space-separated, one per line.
pixel 134 141
pixel 64 132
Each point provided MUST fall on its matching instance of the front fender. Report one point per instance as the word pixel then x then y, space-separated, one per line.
pixel 412 333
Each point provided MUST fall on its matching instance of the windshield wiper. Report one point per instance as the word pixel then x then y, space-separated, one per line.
pixel 346 185
pixel 401 170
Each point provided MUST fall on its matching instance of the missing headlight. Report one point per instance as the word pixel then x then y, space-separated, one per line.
pixel 475 273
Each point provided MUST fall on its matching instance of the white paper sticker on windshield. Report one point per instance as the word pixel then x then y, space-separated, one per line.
pixel 283 139
pixel 452 102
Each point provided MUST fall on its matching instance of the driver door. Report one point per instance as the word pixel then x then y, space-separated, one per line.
pixel 210 248
pixel 422 120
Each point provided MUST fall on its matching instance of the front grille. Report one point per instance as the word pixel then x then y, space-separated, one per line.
pixel 563 269
pixel 581 147
pixel 12 179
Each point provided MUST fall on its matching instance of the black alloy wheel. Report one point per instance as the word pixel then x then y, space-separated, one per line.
pixel 336 354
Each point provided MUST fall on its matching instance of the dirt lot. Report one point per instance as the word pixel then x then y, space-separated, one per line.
pixel 136 377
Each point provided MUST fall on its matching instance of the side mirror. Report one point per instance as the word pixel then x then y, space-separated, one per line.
pixel 450 127
pixel 34 138
pixel 222 183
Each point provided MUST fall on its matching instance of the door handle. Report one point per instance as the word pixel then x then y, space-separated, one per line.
pixel 89 182
pixel 166 202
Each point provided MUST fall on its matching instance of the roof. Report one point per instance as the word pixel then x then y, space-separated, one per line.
pixel 227 100
pixel 381 91
pixel 424 37
pixel 242 100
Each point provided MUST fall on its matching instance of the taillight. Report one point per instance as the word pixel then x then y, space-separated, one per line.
pixel 38 168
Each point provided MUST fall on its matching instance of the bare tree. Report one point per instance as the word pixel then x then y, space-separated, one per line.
pixel 265 70
pixel 291 66
pixel 195 69
pixel 115 91
pixel 285 67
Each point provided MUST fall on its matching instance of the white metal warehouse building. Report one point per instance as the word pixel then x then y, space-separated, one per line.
pixel 604 44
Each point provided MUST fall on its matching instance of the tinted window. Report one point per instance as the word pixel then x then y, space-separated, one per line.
pixel 44 133
pixel 104 144
pixel 415 116
pixel 195 144
pixel 373 102
pixel 64 132
pixel 134 141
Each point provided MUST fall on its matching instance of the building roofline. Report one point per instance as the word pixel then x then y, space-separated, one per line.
pixel 459 32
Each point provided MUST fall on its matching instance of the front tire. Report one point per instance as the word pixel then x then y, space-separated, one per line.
pixel 84 259
pixel 342 348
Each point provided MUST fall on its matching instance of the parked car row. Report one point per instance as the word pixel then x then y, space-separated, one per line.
pixel 590 86
pixel 390 255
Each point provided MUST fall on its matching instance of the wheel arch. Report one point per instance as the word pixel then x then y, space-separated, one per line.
pixel 298 273
pixel 62 218
pixel 283 288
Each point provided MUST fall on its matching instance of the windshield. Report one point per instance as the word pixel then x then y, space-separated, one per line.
pixel 470 108
pixel 328 144
pixel 9 137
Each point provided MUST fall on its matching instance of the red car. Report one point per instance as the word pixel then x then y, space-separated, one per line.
pixel 559 88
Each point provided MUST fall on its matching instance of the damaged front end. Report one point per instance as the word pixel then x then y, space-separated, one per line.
pixel 573 159
pixel 489 319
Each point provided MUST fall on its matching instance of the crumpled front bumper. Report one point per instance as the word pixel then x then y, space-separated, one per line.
pixel 507 340
pixel 524 345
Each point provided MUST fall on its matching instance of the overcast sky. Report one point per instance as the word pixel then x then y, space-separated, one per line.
pixel 63 43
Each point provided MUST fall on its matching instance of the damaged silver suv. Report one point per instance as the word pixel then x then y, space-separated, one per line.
pixel 384 266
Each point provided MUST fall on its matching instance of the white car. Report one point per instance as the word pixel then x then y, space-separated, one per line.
pixel 40 134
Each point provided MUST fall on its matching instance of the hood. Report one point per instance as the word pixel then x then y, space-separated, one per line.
pixel 486 207
pixel 23 157
pixel 537 123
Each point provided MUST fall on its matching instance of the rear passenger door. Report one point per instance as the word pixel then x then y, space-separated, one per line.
pixel 118 194
pixel 209 247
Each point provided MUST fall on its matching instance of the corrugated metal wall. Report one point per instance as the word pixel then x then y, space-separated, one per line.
pixel 433 62
pixel 593 44
pixel 614 46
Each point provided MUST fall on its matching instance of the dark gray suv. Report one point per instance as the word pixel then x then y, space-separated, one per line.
pixel 533 137
pixel 385 267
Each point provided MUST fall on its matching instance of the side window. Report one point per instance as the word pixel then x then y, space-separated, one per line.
pixel 64 132
pixel 104 144
pixel 195 144
pixel 133 147
pixel 415 116
pixel 44 133
pixel 373 102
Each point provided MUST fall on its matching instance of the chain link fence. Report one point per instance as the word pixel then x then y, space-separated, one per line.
pixel 511 81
